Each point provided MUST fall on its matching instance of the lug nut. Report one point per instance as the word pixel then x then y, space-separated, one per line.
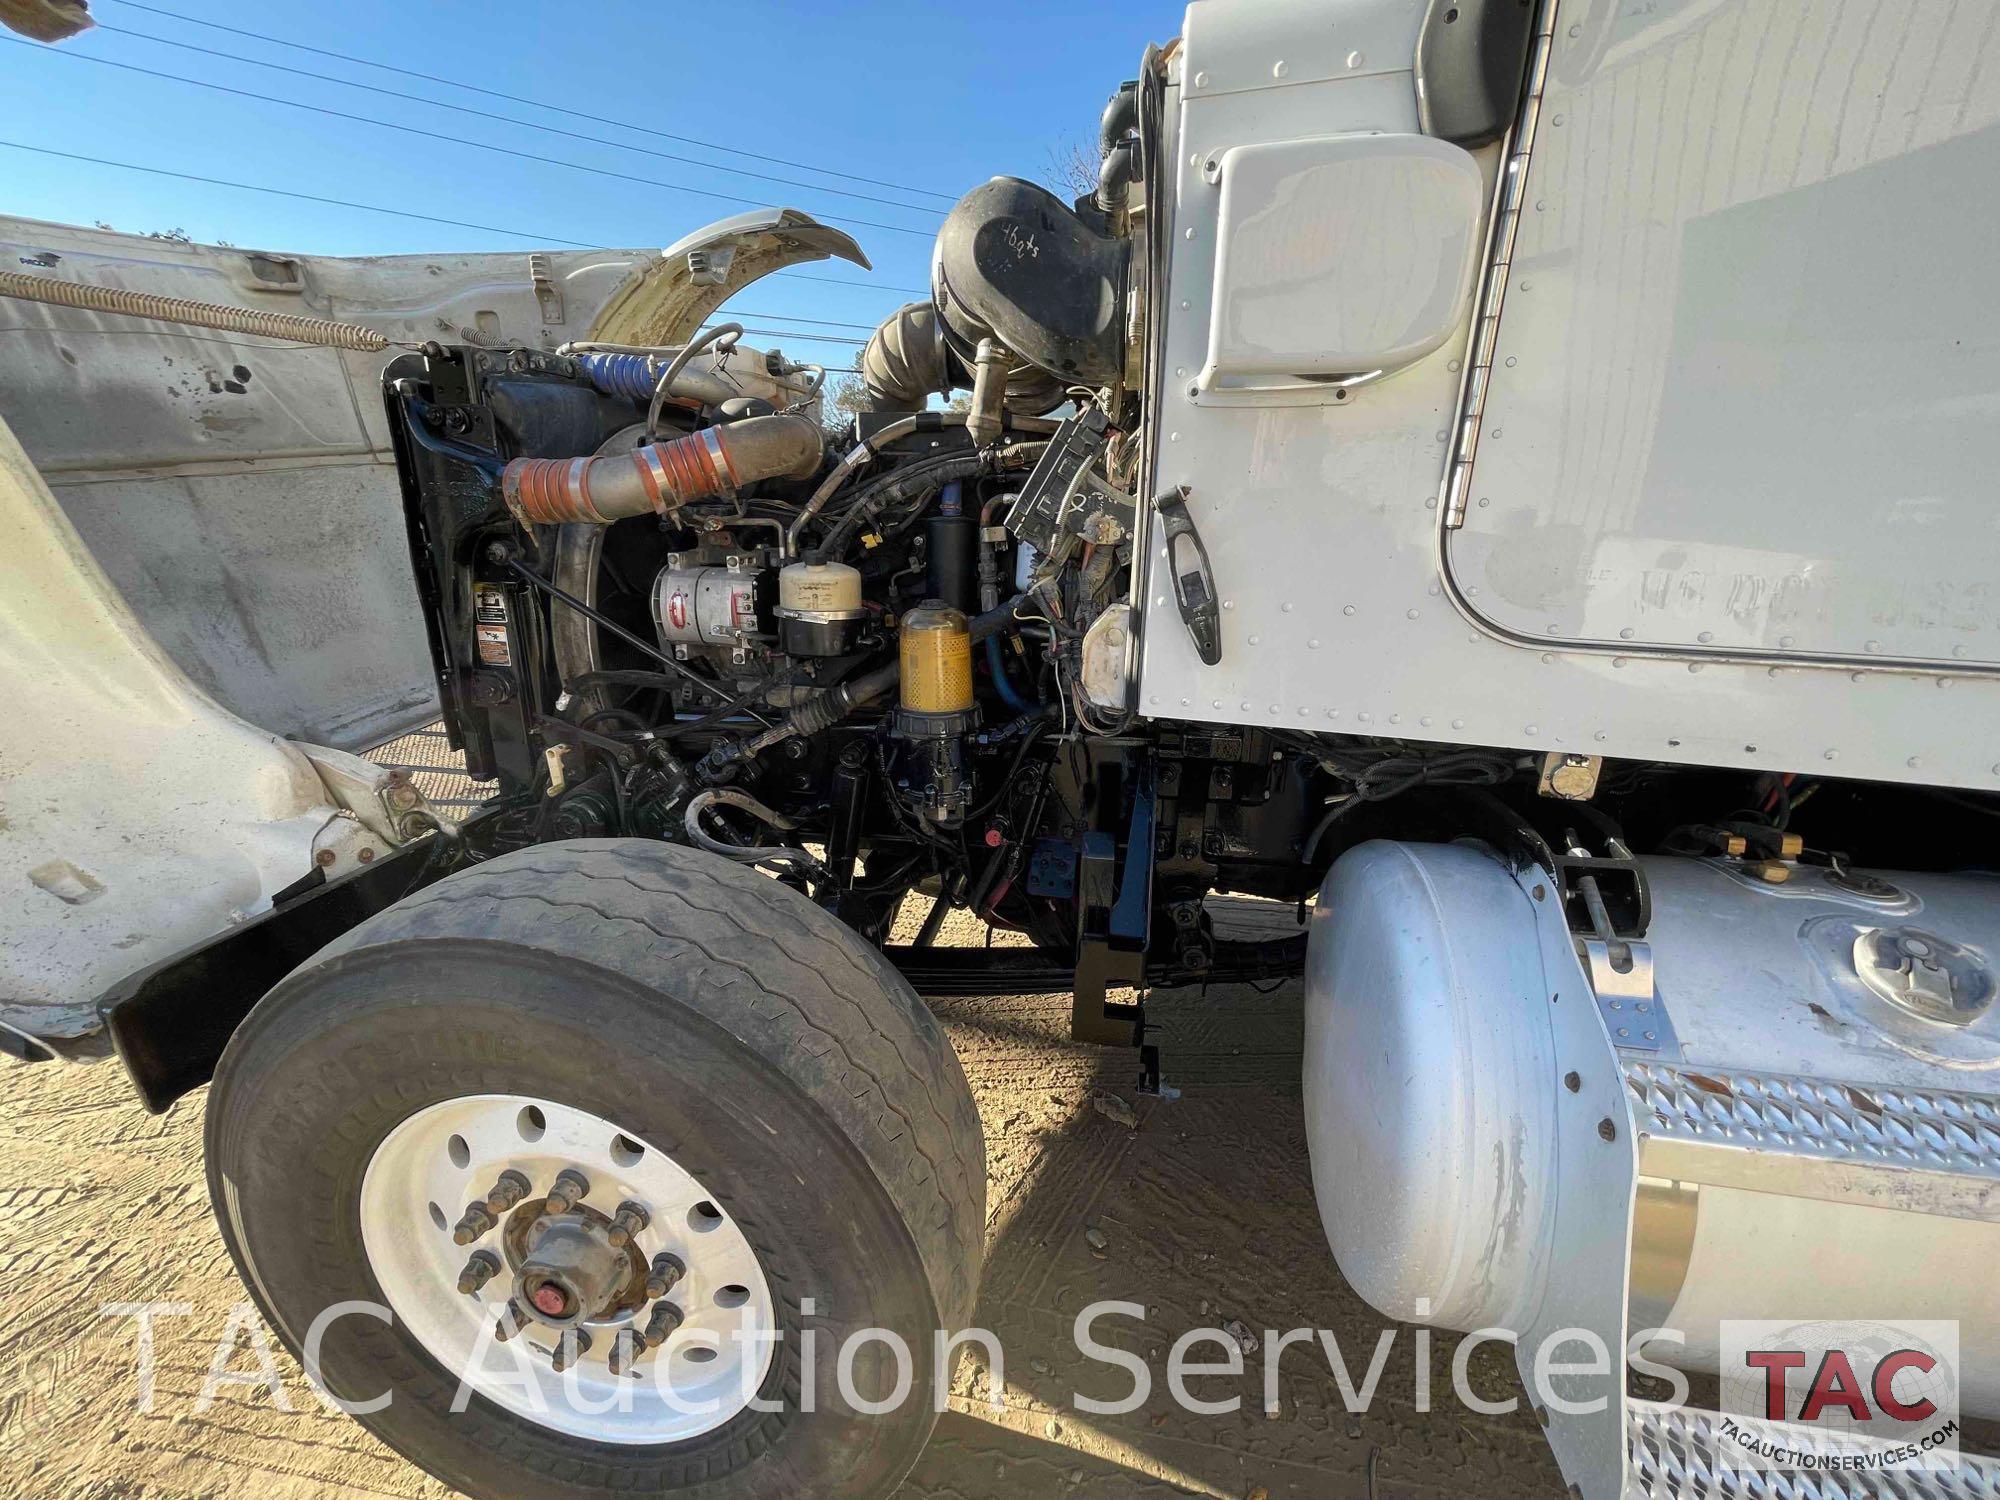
pixel 625 1351
pixel 666 1270
pixel 509 1190
pixel 482 1268
pixel 660 1327
pixel 512 1320
pixel 571 1188
pixel 475 1222
pixel 628 1221
pixel 571 1347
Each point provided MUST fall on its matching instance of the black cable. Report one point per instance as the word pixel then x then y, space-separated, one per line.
pixel 604 622
pixel 717 714
pixel 621 677
pixel 992 804
pixel 471 88
pixel 448 139
pixel 633 677
pixel 614 713
pixel 482 114
pixel 920 478
pixel 1397 774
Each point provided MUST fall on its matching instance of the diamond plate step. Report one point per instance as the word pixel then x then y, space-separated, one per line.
pixel 1674 1454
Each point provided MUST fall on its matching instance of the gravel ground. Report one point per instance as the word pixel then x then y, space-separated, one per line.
pixel 1203 1205
pixel 1198 1207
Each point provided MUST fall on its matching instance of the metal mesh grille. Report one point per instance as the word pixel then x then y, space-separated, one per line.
pixel 438 770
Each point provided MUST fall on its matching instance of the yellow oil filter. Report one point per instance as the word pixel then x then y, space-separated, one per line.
pixel 937 659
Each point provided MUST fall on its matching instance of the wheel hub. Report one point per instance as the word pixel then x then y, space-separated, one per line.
pixel 569 1273
pixel 642 1310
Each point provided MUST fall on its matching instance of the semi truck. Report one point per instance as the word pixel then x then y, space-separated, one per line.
pixel 1510 480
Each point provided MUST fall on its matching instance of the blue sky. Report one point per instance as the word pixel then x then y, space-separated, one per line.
pixel 925 96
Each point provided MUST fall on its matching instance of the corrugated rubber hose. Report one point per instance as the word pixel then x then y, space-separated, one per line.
pixel 274 325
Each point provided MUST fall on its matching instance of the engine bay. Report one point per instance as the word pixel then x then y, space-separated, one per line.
pixel 667 601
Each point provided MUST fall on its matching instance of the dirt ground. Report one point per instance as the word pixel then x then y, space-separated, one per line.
pixel 1198 1207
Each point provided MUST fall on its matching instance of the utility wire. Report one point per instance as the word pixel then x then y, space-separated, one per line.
pixel 868 286
pixel 804 338
pixel 435 135
pixel 792 318
pixel 536 103
pixel 252 187
pixel 404 213
pixel 575 135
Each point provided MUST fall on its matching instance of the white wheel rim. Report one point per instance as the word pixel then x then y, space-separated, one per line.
pixel 449 1155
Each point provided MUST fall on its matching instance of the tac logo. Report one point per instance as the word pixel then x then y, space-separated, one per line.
pixel 1839 1397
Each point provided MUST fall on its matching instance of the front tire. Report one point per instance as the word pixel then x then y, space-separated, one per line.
pixel 730 1031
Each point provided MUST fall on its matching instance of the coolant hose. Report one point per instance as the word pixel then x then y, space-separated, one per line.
pixel 662 477
pixel 1002 684
pixel 989 392
pixel 628 374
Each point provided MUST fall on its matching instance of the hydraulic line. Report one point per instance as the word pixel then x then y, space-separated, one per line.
pixel 871 447
pixel 913 480
pixel 751 854
pixel 723 336
pixel 247 320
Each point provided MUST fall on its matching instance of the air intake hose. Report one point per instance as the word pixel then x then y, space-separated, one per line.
pixel 906 362
pixel 662 477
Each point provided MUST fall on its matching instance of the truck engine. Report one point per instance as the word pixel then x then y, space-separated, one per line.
pixel 896 658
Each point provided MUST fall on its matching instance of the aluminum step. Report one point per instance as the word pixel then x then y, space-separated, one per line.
pixel 1927 1151
pixel 1675 1450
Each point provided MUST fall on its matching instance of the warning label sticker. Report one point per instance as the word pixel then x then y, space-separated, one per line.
pixel 489 623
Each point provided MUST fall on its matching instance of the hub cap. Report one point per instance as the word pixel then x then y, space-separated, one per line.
pixel 570 1276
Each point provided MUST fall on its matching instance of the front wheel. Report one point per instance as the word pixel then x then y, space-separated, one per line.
pixel 608 1167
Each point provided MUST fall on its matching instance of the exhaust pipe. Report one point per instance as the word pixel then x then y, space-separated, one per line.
pixel 662 477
